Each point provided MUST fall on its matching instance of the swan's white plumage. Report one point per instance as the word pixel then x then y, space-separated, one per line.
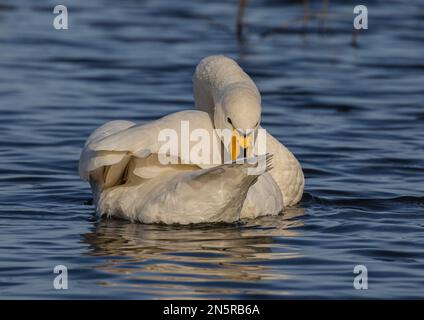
pixel 217 76
pixel 120 160
pixel 89 160
pixel 143 139
pixel 182 196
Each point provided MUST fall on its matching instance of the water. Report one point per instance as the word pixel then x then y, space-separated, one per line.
pixel 352 115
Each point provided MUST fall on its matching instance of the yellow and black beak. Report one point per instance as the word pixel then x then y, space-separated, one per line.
pixel 240 143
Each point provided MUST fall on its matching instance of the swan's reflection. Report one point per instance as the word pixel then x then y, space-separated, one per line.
pixel 191 261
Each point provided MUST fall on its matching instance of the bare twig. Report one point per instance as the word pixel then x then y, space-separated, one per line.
pixel 240 16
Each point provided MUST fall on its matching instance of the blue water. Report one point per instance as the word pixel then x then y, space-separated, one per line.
pixel 353 115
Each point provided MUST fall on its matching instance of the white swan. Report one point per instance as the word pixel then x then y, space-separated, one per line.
pixel 121 160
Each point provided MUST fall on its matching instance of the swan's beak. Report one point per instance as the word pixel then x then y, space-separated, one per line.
pixel 240 142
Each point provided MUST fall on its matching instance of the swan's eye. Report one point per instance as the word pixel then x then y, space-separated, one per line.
pixel 229 121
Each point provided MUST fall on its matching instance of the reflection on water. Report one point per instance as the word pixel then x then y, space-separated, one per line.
pixel 167 260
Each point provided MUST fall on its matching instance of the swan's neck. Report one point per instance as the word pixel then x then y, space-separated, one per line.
pixel 216 77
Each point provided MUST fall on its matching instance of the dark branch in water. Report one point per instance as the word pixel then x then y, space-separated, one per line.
pixel 354 42
pixel 240 15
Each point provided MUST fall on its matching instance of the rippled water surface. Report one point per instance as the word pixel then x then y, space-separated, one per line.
pixel 353 116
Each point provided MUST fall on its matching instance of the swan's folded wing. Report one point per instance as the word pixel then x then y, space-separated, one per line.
pixel 133 139
pixel 90 160
pixel 108 129
pixel 109 144
pixel 139 137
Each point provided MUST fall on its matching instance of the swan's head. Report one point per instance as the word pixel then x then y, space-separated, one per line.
pixel 239 111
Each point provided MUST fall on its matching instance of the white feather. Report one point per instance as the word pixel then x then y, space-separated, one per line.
pixel 121 160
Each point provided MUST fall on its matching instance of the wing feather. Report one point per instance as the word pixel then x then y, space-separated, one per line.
pixel 113 142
